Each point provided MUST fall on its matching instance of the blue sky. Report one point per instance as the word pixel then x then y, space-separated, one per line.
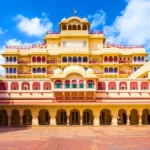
pixel 26 21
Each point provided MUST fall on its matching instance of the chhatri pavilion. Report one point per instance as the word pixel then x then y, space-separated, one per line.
pixel 75 78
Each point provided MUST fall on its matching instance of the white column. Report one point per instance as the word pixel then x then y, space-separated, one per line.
pixel 96 119
pixel 140 120
pixel 35 119
pixel 114 121
pixel 53 119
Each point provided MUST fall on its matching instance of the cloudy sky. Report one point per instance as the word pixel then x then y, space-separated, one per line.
pixel 24 22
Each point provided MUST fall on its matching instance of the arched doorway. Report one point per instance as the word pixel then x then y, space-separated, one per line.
pixel 134 117
pixel 27 117
pixel 44 117
pixel 87 117
pixel 122 117
pixel 145 117
pixel 61 117
pixel 74 117
pixel 15 118
pixel 3 117
pixel 105 117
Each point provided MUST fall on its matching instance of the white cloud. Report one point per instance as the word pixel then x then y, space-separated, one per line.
pixel 132 26
pixel 2 31
pixel 34 26
pixel 12 42
pixel 97 19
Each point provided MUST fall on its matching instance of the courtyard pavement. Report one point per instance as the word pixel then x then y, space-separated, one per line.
pixel 75 138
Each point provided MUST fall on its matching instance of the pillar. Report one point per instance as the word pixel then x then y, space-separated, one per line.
pixel 9 118
pixel 114 121
pixel 128 120
pixel 53 119
pixel 96 119
pixel 81 121
pixel 35 121
pixel 21 120
pixel 140 120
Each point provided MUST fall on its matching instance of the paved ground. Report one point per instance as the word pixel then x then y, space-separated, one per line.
pixel 76 138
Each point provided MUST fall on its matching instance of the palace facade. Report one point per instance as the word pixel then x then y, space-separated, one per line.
pixel 75 78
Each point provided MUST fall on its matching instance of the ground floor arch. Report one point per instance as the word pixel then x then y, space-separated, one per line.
pixel 122 117
pixel 44 117
pixel 87 117
pixel 105 117
pixel 61 118
pixel 3 117
pixel 74 118
pixel 27 117
pixel 134 118
pixel 15 117
pixel 146 117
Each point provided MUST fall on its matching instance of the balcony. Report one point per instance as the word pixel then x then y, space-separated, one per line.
pixel 23 72
pixel 95 62
pixel 125 72
pixel 125 61
pixel 53 61
pixel 24 61
pixel 50 72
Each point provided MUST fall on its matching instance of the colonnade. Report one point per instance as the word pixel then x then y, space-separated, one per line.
pixel 29 117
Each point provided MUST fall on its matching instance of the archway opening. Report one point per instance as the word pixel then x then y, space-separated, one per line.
pixel 74 117
pixel 27 117
pixel 105 117
pixel 15 118
pixel 44 117
pixel 122 117
pixel 3 117
pixel 146 117
pixel 61 117
pixel 134 117
pixel 87 117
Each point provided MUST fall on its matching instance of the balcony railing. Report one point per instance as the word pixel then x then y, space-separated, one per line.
pixel 24 72
pixel 50 72
pixel 53 61
pixel 96 32
pixel 95 62
pixel 125 72
pixel 125 61
pixel 24 61
pixel 52 32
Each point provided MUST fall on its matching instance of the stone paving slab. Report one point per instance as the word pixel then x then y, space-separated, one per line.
pixel 76 138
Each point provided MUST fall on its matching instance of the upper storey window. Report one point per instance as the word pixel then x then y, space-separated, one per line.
pixel 85 43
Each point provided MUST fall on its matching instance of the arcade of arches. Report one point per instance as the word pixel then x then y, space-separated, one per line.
pixel 74 116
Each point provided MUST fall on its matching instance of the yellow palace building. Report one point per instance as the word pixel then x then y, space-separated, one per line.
pixel 75 78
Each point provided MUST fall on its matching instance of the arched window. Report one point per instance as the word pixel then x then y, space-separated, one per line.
pixel 139 58
pixel 110 70
pixel 115 70
pixel 105 59
pixel 34 70
pixel 84 27
pixel 79 27
pixel 101 86
pixel 7 70
pixel 7 60
pixel 14 86
pixel 38 59
pixel 110 59
pixel 36 86
pixel 10 59
pixel 74 84
pixel 47 86
pixel 106 70
pixel 81 84
pixel 134 58
pixel 3 86
pixel 67 84
pixel 79 59
pixel 43 70
pixel 14 59
pixel 14 70
pixel 112 86
pixel 25 86
pixel 90 84
pixel 43 59
pixel 133 86
pixel 58 84
pixel 122 86
pixel 70 59
pixel 74 59
pixel 38 70
pixel 69 27
pixel 142 58
pixel 115 59
pixel 33 59
pixel 144 86
pixel 85 59
pixel 10 70
pixel 64 59
pixel 74 27
pixel 64 27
